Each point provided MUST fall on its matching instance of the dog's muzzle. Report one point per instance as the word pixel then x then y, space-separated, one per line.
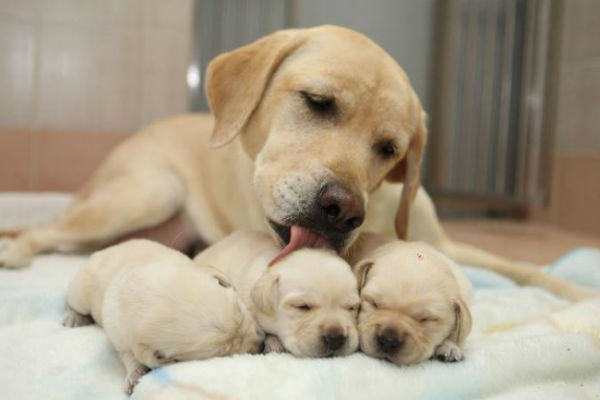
pixel 335 213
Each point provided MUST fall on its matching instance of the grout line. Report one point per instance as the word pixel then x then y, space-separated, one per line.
pixel 35 112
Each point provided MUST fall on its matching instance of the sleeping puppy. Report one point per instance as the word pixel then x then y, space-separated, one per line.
pixel 413 301
pixel 307 301
pixel 157 307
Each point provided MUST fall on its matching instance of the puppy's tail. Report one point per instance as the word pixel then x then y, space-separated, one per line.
pixel 521 273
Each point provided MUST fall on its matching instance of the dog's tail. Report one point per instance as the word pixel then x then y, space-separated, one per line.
pixel 10 233
pixel 521 273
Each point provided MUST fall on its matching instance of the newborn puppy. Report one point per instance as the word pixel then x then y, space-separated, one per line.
pixel 157 307
pixel 308 301
pixel 413 301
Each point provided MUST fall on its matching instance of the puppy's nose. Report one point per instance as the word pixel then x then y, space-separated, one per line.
pixel 389 342
pixel 341 208
pixel 334 341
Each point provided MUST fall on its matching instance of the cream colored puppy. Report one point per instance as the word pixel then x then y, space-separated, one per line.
pixel 413 301
pixel 308 300
pixel 157 307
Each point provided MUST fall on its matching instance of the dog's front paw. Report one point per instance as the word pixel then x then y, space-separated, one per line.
pixel 273 345
pixel 134 377
pixel 72 319
pixel 449 352
pixel 13 256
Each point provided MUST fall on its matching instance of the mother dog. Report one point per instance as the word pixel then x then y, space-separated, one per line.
pixel 316 122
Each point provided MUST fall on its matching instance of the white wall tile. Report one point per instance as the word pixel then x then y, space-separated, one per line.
pixel 91 12
pixel 88 79
pixel 19 10
pixel 17 58
pixel 164 60
pixel 176 14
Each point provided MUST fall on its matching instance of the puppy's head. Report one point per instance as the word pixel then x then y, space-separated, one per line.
pixel 205 319
pixel 327 115
pixel 310 301
pixel 410 303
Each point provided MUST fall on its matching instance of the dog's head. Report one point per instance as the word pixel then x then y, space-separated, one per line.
pixel 410 303
pixel 327 115
pixel 207 319
pixel 310 301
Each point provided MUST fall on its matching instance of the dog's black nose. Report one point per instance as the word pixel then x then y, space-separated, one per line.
pixel 341 209
pixel 389 342
pixel 334 341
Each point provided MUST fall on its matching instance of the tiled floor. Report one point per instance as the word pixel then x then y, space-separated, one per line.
pixel 527 241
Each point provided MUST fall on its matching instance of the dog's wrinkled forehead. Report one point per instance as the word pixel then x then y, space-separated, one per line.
pixel 342 69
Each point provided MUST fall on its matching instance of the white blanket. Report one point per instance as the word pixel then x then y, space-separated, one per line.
pixel 525 344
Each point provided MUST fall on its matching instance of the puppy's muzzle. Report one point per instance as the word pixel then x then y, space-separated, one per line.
pixel 337 209
pixel 334 339
pixel 389 342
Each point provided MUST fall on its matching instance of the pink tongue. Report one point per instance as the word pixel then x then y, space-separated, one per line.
pixel 301 237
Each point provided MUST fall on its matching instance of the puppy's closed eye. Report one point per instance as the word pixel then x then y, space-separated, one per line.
pixel 427 318
pixel 303 307
pixel 371 302
pixel 353 307
pixel 222 282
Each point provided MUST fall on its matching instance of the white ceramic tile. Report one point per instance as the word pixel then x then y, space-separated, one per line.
pixel 176 14
pixel 17 59
pixel 165 60
pixel 88 79
pixel 161 98
pixel 91 12
pixel 19 10
pixel 581 30
pixel 578 119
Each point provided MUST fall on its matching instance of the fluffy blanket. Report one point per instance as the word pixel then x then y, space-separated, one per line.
pixel 525 343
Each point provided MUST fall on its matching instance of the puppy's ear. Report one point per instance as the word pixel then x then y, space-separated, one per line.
pixel 236 81
pixel 265 293
pixel 409 171
pixel 462 325
pixel 361 271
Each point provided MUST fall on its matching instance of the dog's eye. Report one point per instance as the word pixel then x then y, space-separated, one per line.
pixel 223 282
pixel 318 103
pixel 386 149
pixel 303 307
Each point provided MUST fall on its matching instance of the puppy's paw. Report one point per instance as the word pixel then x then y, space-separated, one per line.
pixel 449 352
pixel 273 345
pixel 73 319
pixel 134 377
pixel 13 256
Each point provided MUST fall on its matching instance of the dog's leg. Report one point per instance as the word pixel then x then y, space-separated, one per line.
pixel 114 208
pixel 134 371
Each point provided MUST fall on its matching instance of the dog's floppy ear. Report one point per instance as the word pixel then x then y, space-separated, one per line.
pixel 265 293
pixel 462 325
pixel 235 81
pixel 409 171
pixel 361 271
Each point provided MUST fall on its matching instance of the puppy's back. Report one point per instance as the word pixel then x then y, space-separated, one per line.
pixel 236 251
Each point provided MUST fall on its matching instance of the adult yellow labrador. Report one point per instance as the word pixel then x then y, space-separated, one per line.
pixel 310 128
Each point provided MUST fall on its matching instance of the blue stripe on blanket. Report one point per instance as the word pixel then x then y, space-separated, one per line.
pixel 161 376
